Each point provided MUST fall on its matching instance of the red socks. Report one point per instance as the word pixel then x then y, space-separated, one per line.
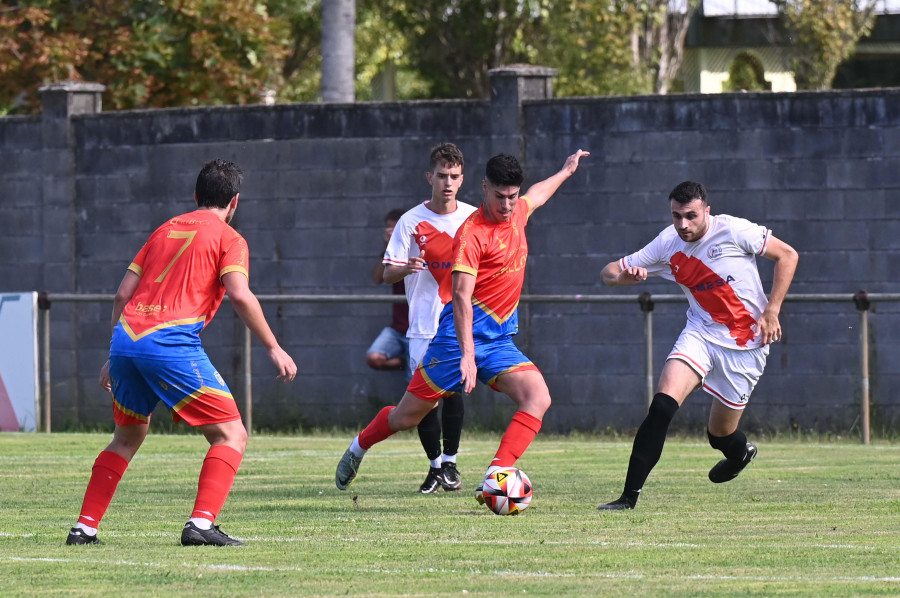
pixel 521 431
pixel 216 478
pixel 376 431
pixel 109 468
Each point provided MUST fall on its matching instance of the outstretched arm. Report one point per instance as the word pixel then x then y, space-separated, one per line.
pixel 539 193
pixel 613 275
pixel 247 307
pixel 785 258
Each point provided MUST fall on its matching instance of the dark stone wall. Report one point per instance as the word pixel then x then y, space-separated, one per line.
pixel 80 194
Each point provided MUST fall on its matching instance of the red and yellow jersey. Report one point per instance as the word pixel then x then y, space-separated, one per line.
pixel 495 253
pixel 181 267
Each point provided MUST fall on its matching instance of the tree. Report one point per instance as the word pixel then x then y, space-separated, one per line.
pixel 302 38
pixel 616 47
pixel 338 53
pixel 825 32
pixel 149 53
pixel 451 44
pixel 746 73
pixel 658 31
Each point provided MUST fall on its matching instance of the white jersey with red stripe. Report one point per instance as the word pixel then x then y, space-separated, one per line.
pixel 717 273
pixel 423 233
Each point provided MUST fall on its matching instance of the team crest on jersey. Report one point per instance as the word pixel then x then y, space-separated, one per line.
pixel 714 252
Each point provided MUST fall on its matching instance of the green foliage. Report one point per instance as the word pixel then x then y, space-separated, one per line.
pixel 615 47
pixel 805 519
pixel 825 32
pixel 587 41
pixel 451 44
pixel 301 35
pixel 746 73
pixel 149 53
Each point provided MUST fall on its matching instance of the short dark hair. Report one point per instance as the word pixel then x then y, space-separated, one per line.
pixel 218 182
pixel 504 170
pixel 687 192
pixel 445 153
pixel 394 215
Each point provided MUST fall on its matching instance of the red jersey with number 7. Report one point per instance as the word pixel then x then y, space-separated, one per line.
pixel 181 268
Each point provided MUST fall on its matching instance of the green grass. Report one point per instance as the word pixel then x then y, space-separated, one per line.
pixel 806 519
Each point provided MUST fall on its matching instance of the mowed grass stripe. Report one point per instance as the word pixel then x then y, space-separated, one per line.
pixel 806 519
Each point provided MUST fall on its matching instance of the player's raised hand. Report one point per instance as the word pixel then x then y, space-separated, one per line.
pixel 287 369
pixel 571 164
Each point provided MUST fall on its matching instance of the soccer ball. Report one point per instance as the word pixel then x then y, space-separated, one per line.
pixel 507 491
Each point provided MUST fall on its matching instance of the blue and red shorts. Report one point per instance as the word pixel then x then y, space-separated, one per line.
pixel 191 388
pixel 438 375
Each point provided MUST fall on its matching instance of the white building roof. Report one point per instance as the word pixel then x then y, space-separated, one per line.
pixel 747 8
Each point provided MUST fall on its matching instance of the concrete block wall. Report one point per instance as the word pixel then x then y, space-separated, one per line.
pixel 818 168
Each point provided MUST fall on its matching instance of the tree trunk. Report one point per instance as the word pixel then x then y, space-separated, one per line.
pixel 338 54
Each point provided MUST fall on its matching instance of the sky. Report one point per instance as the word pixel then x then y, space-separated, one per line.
pixel 764 7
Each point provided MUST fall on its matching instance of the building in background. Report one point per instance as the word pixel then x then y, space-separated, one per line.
pixel 727 34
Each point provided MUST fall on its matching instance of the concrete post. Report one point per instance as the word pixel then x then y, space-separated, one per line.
pixel 60 102
pixel 511 86
pixel 59 206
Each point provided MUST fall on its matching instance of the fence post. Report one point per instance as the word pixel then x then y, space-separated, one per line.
pixel 44 306
pixel 248 384
pixel 861 299
pixel 510 86
pixel 646 301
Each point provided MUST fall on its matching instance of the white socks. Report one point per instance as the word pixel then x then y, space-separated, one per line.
pixel 91 531
pixel 356 449
pixel 201 523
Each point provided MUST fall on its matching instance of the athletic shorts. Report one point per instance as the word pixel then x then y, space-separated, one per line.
pixel 730 375
pixel 439 376
pixel 389 342
pixel 417 349
pixel 191 388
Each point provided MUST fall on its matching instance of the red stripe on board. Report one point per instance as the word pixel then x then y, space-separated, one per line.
pixel 8 420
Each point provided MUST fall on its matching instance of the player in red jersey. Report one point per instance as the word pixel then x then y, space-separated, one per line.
pixel 420 254
pixel 474 337
pixel 723 347
pixel 170 292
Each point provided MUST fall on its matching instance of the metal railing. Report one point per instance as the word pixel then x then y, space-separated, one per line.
pixel 646 301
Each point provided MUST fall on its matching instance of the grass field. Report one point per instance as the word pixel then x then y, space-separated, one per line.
pixel 805 519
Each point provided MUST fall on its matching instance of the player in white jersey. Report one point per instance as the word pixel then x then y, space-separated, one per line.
pixel 730 325
pixel 420 253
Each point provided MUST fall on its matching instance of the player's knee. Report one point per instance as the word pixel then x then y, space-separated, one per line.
pixel 663 407
pixel 375 360
pixel 536 404
pixel 241 441
pixel 719 442
pixel 399 420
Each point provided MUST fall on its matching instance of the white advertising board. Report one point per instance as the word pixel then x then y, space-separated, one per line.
pixel 18 362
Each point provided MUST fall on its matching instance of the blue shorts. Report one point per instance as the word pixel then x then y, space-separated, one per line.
pixel 439 375
pixel 191 388
pixel 391 343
